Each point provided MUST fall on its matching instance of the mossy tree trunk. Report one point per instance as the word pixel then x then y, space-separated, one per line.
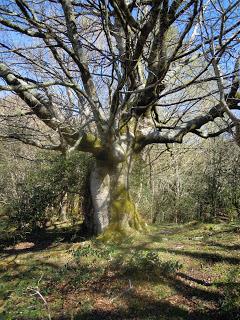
pixel 114 211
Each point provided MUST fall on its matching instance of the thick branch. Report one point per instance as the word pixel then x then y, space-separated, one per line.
pixel 39 104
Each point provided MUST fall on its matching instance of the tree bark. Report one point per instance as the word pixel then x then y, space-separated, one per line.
pixel 64 208
pixel 100 193
pixel 114 212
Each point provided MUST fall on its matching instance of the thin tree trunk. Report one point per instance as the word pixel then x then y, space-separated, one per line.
pixel 64 208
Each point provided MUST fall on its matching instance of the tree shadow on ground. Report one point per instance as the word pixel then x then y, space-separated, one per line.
pixel 41 240
pixel 207 256
pixel 190 299
pixel 189 303
pixel 212 257
pixel 142 306
pixel 224 246
pixel 205 232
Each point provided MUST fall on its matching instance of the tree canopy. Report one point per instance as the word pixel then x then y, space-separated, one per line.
pixel 93 66
pixel 112 77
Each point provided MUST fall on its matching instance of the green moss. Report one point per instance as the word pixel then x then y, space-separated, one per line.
pixel 125 219
pixel 90 143
pixel 237 95
pixel 128 124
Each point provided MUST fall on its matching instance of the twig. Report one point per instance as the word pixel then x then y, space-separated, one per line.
pixel 124 292
pixel 36 291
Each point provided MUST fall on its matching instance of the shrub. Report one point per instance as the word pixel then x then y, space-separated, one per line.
pixel 38 198
pixel 151 263
pixel 105 253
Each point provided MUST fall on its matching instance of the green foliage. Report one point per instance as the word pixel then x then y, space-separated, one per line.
pixel 105 253
pixel 151 262
pixel 43 189
pixel 231 293
pixel 86 251
pixel 87 264
pixel 76 275
pixel 28 211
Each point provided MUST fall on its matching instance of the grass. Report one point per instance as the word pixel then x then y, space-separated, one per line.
pixel 173 272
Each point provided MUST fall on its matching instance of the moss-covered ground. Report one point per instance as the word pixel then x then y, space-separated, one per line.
pixel 189 271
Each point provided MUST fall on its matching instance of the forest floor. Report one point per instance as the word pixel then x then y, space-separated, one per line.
pixel 173 272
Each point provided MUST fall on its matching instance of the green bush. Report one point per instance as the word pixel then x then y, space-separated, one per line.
pixel 151 263
pixel 38 198
pixel 105 253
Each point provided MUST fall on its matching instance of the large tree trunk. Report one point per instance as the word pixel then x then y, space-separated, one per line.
pixel 100 193
pixel 114 212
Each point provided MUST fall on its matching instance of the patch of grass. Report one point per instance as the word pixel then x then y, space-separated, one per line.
pixel 231 292
pixel 172 272
pixel 150 263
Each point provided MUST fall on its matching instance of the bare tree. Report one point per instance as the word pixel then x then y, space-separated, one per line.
pixel 112 77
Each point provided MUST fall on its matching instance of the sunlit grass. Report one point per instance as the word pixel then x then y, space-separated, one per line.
pixel 171 271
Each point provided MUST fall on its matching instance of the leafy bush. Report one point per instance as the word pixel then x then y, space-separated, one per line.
pixel 89 251
pixel 151 263
pixel 28 212
pixel 38 198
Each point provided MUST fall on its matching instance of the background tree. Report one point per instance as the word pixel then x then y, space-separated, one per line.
pixel 197 181
pixel 112 77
